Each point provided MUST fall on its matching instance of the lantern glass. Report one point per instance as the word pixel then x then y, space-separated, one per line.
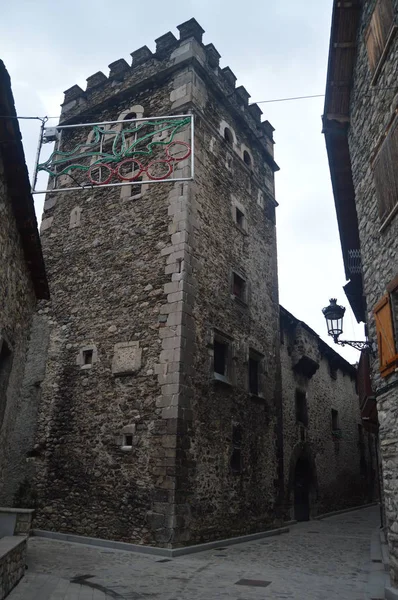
pixel 334 318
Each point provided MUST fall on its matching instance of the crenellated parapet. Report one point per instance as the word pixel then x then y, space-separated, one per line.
pixel 169 53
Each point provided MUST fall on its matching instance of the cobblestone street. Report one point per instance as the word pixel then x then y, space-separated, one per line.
pixel 317 560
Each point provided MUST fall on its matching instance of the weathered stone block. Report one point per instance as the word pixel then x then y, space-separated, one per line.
pixel 127 358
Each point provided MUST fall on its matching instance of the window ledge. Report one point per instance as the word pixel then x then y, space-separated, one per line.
pixel 241 229
pixel 256 396
pixel 239 301
pixel 383 57
pixel 86 366
pixel 126 448
pixel 222 379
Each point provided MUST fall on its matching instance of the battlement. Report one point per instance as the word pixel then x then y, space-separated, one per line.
pixel 169 53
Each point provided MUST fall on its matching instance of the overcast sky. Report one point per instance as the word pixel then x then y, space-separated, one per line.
pixel 277 49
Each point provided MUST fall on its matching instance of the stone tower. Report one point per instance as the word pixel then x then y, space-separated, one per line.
pixel 160 420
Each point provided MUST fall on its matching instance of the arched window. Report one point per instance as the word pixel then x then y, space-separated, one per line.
pixel 247 158
pixel 228 136
pixel 129 116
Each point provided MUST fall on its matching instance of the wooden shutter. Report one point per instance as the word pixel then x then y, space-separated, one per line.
pixel 385 172
pixel 385 336
pixel 378 32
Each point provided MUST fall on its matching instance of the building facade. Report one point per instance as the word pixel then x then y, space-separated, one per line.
pixel 360 126
pixel 329 458
pixel 162 389
pixel 22 283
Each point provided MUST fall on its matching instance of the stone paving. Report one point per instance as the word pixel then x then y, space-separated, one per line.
pixel 317 560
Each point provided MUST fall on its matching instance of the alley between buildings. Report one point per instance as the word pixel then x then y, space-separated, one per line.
pixel 317 560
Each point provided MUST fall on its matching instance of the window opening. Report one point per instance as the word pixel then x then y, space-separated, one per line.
pixel 254 375
pixel 128 440
pixel 228 136
pixel 240 217
pixel 335 420
pixel 332 370
pixel 87 357
pixel 236 456
pixel 301 408
pixel 247 158
pixel 5 372
pixel 220 358
pixel 131 115
pixel 239 287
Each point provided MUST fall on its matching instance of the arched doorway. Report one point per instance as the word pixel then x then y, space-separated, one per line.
pixel 301 488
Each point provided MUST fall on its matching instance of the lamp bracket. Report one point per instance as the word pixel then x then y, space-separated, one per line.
pixel 366 345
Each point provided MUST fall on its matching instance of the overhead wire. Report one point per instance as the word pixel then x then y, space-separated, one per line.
pixel 289 99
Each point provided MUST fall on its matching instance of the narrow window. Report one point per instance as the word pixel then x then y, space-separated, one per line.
pixel 386 173
pixel 87 357
pixel 239 287
pixel 236 456
pixel 301 408
pixel 254 370
pixel 240 217
pixel 128 440
pixel 247 158
pixel 379 32
pixel 228 136
pixel 220 358
pixel 335 421
pixel 332 369
pixel 5 372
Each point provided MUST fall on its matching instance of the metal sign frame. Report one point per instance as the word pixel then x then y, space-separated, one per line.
pixel 128 154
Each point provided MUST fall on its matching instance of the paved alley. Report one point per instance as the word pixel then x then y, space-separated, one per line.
pixel 317 560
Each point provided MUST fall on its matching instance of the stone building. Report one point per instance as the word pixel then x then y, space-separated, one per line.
pixel 361 131
pixel 329 458
pixel 22 283
pixel 162 390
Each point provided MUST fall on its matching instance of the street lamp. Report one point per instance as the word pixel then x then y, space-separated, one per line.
pixel 334 320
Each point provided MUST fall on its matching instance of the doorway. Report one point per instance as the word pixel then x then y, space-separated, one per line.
pixel 302 484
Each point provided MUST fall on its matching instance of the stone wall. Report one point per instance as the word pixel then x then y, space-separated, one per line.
pixel 12 563
pixel 143 281
pixel 372 107
pixel 18 302
pixel 224 501
pixel 343 465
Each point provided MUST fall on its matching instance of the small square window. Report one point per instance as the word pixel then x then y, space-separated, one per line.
pixel 239 287
pixel 220 358
pixel 87 357
pixel 128 439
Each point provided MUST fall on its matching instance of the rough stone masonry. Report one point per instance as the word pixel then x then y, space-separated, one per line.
pixel 379 242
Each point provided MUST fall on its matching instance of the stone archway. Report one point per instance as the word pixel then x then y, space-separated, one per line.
pixel 303 484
